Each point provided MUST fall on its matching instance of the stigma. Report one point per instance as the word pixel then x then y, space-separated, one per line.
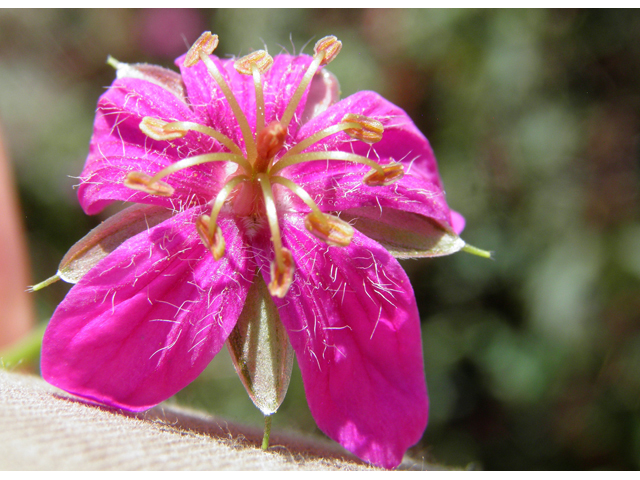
pixel 264 158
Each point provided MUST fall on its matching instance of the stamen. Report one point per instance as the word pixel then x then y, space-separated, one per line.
pixel 368 130
pixel 299 191
pixel 391 173
pixel 330 229
pixel 322 134
pixel 200 159
pixel 255 64
pixel 260 58
pixel 282 276
pixel 330 46
pixel 196 127
pixel 311 156
pixel 205 44
pixel 257 83
pixel 283 267
pixel 160 130
pixel 326 49
pixel 243 123
pixel 214 242
pixel 220 199
pixel 145 183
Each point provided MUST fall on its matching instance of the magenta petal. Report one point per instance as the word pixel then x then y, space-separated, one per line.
pixel 353 323
pixel 342 192
pixel 457 222
pixel 148 318
pixel 118 147
pixel 401 141
pixel 338 186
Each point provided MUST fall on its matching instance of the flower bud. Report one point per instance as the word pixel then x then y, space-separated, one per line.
pixel 370 130
pixel 160 130
pixel 330 45
pixel 206 44
pixel 143 182
pixel 391 173
pixel 260 58
pixel 330 229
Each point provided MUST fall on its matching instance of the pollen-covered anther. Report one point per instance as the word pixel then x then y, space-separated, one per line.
pixel 391 173
pixel 260 58
pixel 270 140
pixel 144 183
pixel 329 228
pixel 160 130
pixel 331 47
pixel 282 275
pixel 370 130
pixel 215 243
pixel 206 44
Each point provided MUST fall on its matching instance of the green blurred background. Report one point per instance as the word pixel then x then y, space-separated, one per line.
pixel 532 360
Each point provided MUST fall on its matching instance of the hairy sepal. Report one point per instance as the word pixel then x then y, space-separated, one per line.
pixel 404 234
pixel 106 237
pixel 163 77
pixel 260 350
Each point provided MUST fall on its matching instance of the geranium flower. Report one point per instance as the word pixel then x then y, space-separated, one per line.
pixel 266 213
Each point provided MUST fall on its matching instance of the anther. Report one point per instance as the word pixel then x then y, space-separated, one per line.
pixel 281 274
pixel 260 58
pixel 390 173
pixel 205 44
pixel 214 242
pixel 330 229
pixel 145 183
pixel 330 45
pixel 370 130
pixel 270 140
pixel 160 130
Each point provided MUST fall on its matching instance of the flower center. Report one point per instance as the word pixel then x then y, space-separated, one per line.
pixel 249 191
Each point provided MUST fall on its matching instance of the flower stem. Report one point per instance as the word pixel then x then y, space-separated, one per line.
pixel 25 351
pixel 267 432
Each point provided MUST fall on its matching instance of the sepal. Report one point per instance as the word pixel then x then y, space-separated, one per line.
pixel 260 349
pixel 404 234
pixel 106 237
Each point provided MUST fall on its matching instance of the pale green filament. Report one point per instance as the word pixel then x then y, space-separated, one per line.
pixel 310 156
pixel 222 138
pixel 220 199
pixel 316 137
pixel 272 216
pixel 302 86
pixel 249 142
pixel 300 192
pixel 257 81
pixel 199 159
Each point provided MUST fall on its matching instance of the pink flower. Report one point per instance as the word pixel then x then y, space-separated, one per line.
pixel 240 170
